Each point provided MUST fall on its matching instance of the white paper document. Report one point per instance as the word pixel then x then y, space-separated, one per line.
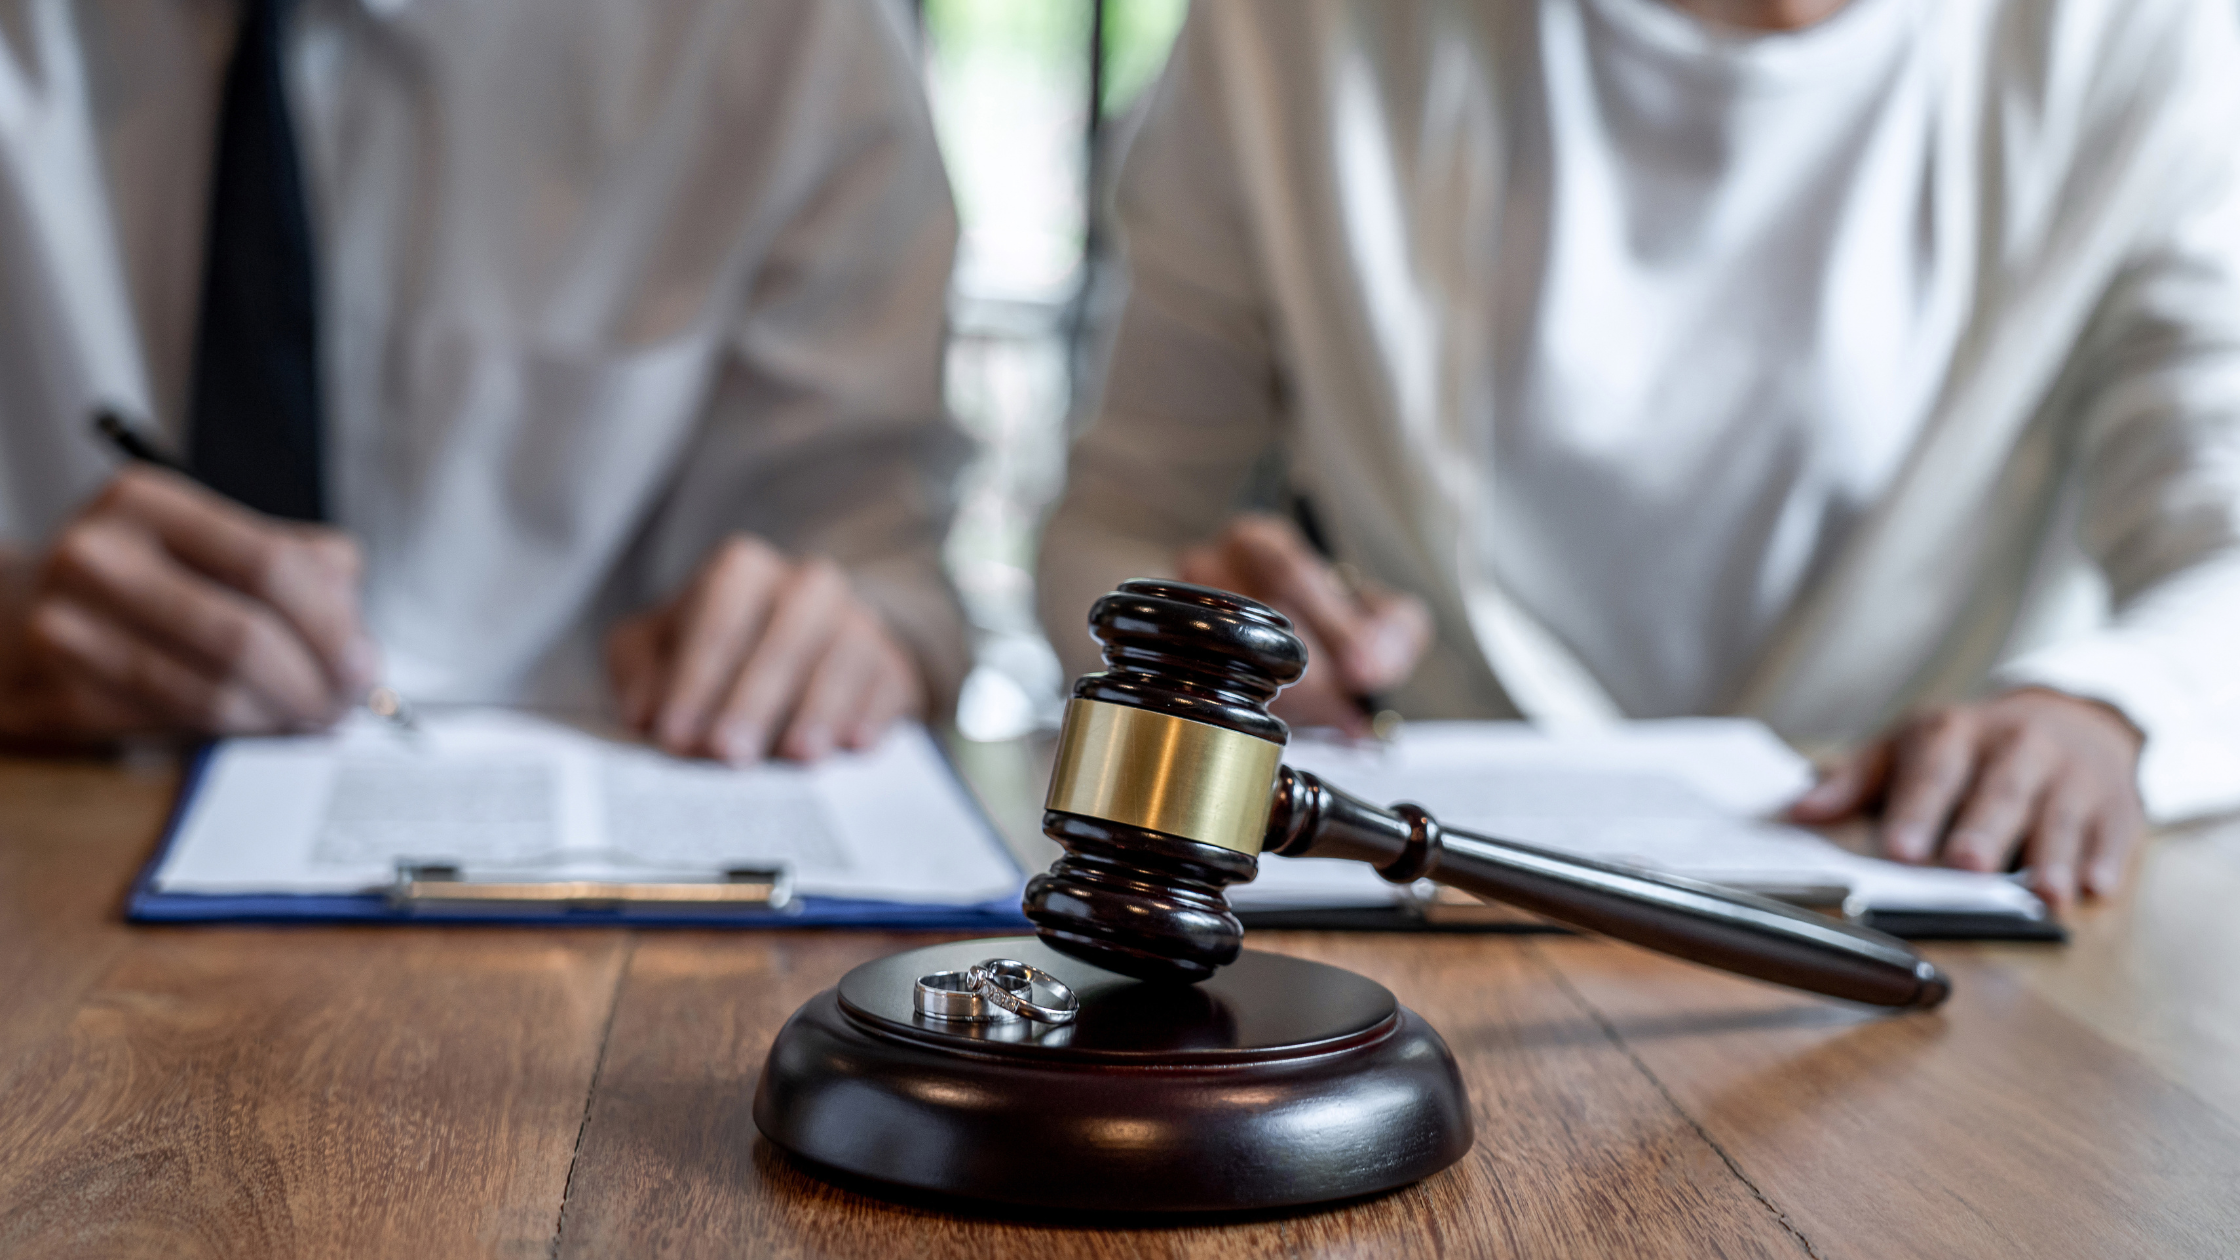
pixel 1687 796
pixel 485 789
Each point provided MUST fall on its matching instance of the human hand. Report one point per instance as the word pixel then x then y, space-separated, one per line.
pixel 165 607
pixel 760 655
pixel 2033 768
pixel 1361 638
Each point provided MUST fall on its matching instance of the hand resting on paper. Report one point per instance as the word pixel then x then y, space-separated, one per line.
pixel 1361 638
pixel 162 607
pixel 759 655
pixel 2036 769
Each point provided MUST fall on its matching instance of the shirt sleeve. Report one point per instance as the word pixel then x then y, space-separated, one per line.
pixel 1191 398
pixel 825 432
pixel 2159 448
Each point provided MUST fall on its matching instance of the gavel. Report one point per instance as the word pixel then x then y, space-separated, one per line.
pixel 1169 785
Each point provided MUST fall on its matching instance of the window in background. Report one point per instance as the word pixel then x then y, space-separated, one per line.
pixel 1011 83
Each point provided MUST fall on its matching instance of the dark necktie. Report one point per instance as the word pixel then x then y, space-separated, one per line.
pixel 253 427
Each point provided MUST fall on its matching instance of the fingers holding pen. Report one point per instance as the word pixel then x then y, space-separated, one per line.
pixel 120 577
pixel 1321 697
pixel 1276 565
pixel 1361 638
pixel 96 650
pixel 1373 636
pixel 1396 635
pixel 190 613
pixel 306 575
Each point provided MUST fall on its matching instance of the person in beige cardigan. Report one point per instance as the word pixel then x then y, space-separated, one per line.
pixel 1872 368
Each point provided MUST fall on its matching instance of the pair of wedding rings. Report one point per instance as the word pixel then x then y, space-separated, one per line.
pixel 996 990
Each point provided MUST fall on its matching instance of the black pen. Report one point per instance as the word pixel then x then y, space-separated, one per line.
pixel 384 701
pixel 130 442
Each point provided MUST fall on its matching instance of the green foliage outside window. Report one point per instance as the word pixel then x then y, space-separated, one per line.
pixel 1047 31
pixel 1137 35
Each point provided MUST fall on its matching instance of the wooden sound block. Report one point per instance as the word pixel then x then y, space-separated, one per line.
pixel 1277 1083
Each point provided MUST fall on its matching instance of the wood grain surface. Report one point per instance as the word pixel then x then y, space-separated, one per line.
pixel 430 1092
pixel 69 831
pixel 194 1092
pixel 1994 1127
pixel 1579 1153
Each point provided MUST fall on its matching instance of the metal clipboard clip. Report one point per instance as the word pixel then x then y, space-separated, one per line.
pixel 435 886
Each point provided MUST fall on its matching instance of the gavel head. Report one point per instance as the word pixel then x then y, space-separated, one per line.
pixel 1160 794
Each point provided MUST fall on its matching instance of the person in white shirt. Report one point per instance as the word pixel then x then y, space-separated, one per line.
pixel 628 330
pixel 1872 368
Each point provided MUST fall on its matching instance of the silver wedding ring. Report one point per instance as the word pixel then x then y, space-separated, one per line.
pixel 1014 986
pixel 955 996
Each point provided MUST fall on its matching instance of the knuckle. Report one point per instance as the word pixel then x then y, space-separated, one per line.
pixel 2064 815
pixel 1262 533
pixel 1945 765
pixel 76 554
pixel 733 552
pixel 746 554
pixel 2003 739
pixel 143 674
pixel 1997 801
pixel 337 552
pixel 113 498
pixel 1915 811
pixel 274 567
pixel 1947 725
pixel 2131 811
pixel 228 710
pixel 239 643
pixel 2023 741
pixel 208 713
pixel 624 641
pixel 824 577
pixel 1914 729
pixel 2009 776
pixel 2125 830
pixel 1298 568
pixel 1920 798
pixel 129 490
pixel 254 640
pixel 82 548
pixel 47 629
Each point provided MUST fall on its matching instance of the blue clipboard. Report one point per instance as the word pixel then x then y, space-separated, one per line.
pixel 147 904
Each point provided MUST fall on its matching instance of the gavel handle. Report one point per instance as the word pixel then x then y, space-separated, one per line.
pixel 1705 923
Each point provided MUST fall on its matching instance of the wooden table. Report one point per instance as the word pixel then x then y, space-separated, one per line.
pixel 435 1092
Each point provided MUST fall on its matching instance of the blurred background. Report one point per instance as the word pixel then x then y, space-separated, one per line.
pixel 1029 97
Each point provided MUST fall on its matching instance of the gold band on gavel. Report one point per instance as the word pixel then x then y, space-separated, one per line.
pixel 1163 773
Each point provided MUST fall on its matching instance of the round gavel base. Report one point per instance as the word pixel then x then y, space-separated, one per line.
pixel 1277 1083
